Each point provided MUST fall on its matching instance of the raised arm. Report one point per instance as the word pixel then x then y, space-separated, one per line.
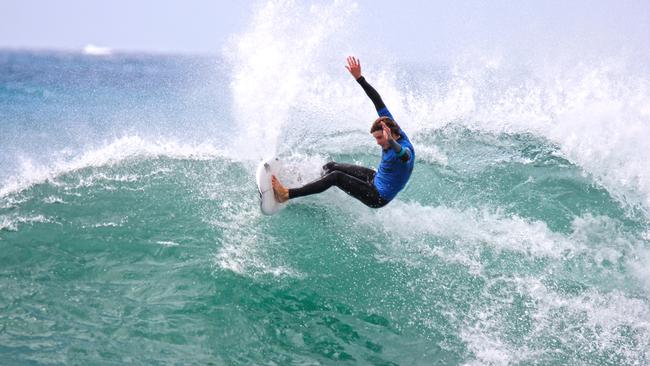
pixel 354 67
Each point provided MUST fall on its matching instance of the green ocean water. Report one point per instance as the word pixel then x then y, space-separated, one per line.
pixel 169 260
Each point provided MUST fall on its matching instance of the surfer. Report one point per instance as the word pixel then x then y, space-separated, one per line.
pixel 374 189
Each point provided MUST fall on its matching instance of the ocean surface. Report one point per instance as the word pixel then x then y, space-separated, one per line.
pixel 130 228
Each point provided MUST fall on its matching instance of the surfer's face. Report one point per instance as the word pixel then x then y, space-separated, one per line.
pixel 381 141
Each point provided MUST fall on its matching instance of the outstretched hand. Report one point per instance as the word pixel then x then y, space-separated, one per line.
pixel 354 67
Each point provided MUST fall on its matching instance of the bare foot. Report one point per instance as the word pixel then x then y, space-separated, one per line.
pixel 280 191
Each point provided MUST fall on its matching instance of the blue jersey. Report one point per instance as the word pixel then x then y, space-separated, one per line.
pixel 393 173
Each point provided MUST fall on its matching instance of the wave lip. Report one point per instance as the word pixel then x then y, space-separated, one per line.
pixel 119 150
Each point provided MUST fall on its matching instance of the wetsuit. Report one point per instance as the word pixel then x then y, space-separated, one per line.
pixel 374 189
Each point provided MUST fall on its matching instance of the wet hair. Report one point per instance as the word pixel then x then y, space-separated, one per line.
pixel 392 125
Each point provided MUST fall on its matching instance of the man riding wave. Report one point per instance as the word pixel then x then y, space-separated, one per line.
pixel 374 188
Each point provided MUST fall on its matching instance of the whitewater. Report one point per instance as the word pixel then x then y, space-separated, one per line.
pixel 130 228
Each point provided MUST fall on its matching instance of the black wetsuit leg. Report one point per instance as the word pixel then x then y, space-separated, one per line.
pixel 360 172
pixel 363 190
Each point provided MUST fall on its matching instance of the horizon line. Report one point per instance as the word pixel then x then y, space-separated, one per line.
pixel 112 51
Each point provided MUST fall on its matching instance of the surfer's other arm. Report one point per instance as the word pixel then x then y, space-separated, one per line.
pixel 402 153
pixel 387 132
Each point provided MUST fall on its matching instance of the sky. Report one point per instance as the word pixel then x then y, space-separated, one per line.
pixel 190 26
pixel 413 28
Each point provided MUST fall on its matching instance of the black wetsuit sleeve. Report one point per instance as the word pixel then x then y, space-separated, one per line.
pixel 371 93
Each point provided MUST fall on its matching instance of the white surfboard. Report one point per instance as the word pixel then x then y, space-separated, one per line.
pixel 265 170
